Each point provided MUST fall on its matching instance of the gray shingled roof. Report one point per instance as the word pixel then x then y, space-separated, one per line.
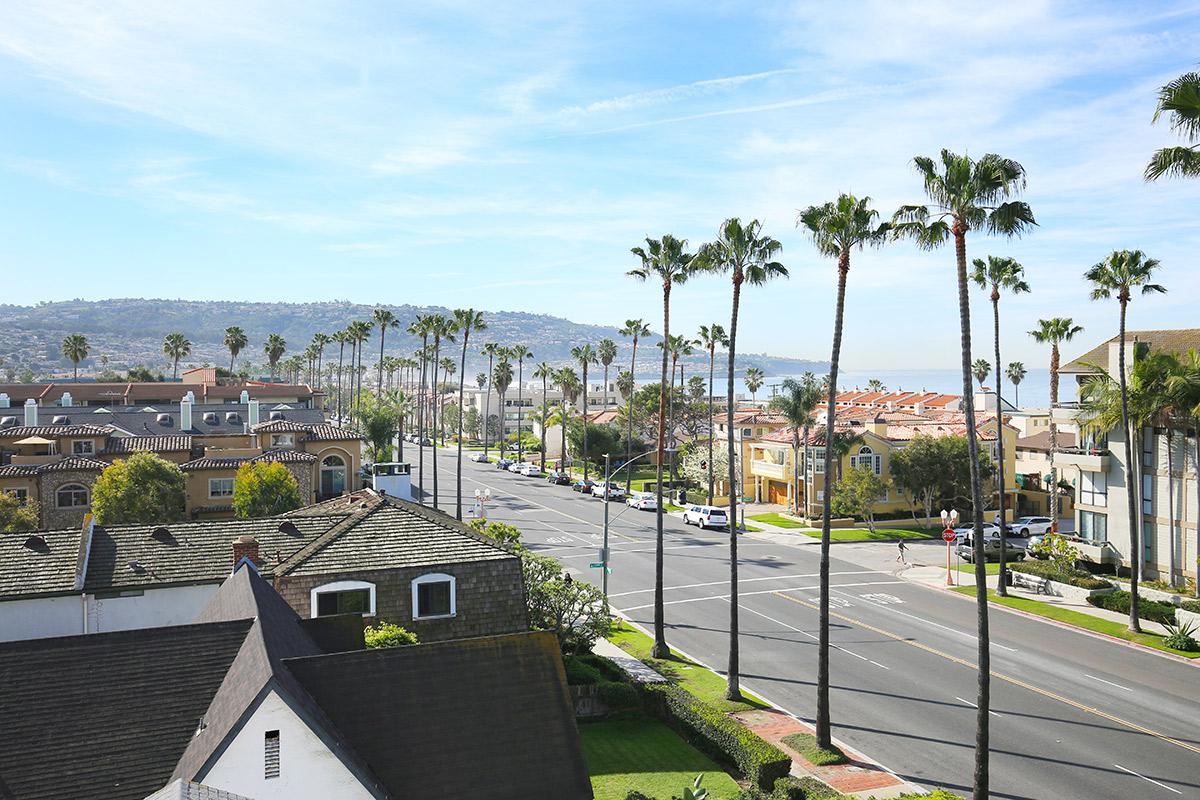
pixel 74 464
pixel 282 456
pixel 53 430
pixel 186 790
pixel 136 422
pixel 38 563
pixel 152 444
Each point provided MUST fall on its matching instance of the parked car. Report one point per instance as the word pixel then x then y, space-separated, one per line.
pixel 532 470
pixel 583 487
pixel 559 478
pixel 642 501
pixel 479 457
pixel 1030 526
pixel 427 442
pixel 1014 548
pixel 516 466
pixel 503 463
pixel 611 492
pixel 705 517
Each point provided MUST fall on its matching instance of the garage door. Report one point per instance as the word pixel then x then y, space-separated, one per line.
pixel 777 493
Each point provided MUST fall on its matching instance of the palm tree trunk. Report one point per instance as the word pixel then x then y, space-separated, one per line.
pixel 983 658
pixel 421 423
pixel 487 404
pixel 1196 466
pixel 1001 585
pixel 379 384
pixel 543 436
pixel 805 492
pixel 629 416
pixel 1132 493
pixel 462 377
pixel 671 417
pixel 500 441
pixel 562 432
pixel 436 397
pixel 341 356
pixel 712 428
pixel 1170 506
pixel 660 649
pixel 585 416
pixel 1054 361
pixel 605 406
pixel 520 408
pixel 733 690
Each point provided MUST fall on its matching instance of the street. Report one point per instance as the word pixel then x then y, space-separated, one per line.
pixel 1074 716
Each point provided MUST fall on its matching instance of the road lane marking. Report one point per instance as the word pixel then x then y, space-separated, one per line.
pixel 930 622
pixel 740 594
pixel 1006 678
pixel 554 510
pixel 809 635
pixel 1143 777
pixel 973 705
pixel 743 580
pixel 1110 683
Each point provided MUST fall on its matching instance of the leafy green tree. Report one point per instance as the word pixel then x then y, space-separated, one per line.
pixel 596 440
pixel 575 610
pixel 379 423
pixel 387 634
pixel 143 488
pixel 1179 100
pixel 175 347
pixel 501 533
pixel 17 516
pixel 919 471
pixel 264 489
pixel 75 348
pixel 471 423
pixel 235 342
pixel 142 374
pixel 857 493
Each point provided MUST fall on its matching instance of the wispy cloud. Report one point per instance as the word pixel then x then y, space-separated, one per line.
pixel 674 94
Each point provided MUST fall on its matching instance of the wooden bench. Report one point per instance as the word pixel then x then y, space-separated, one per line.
pixel 1024 580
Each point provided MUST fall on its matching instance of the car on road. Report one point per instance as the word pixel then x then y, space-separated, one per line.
pixel 611 492
pixel 478 458
pixel 426 442
pixel 516 466
pixel 1031 526
pixel 705 517
pixel 559 478
pixel 642 501
pixel 583 487
pixel 531 470
pixel 503 463
pixel 1014 548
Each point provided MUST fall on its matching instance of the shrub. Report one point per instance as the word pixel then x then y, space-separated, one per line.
pixel 608 669
pixel 17 515
pixel 1152 610
pixel 1191 605
pixel 264 489
pixel 387 634
pixel 1181 637
pixel 144 488
pixel 1048 569
pixel 789 787
pixel 718 735
pixel 638 796
pixel 814 789
pixel 619 696
pixel 580 673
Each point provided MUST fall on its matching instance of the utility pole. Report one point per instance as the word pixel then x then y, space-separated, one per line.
pixel 607 500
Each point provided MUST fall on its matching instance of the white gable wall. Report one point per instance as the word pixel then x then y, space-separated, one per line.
pixel 307 769
pixel 40 618
pixel 44 617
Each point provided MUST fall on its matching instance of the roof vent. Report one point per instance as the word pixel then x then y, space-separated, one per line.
pixel 8 422
pixel 289 528
pixel 61 420
pixel 164 419
pixel 135 566
pixel 37 544
pixel 210 418
pixel 162 534
pixel 276 415
pixel 232 417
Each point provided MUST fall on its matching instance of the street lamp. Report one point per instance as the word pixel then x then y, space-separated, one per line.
pixel 608 476
pixel 482 498
pixel 949 521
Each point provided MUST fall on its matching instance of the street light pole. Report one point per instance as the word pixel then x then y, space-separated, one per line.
pixel 607 500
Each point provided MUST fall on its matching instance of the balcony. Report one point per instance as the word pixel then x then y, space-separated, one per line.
pixel 1087 459
pixel 36 461
pixel 768 469
pixel 1065 413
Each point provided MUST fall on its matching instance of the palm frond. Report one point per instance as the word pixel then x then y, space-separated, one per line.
pixel 1173 162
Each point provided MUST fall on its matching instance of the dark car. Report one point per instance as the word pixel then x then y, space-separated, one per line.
pixel 1014 548
pixel 583 487
pixel 504 463
pixel 559 478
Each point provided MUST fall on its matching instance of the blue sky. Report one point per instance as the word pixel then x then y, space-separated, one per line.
pixel 507 158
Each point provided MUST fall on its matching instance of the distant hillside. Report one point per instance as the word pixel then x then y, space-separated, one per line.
pixel 129 332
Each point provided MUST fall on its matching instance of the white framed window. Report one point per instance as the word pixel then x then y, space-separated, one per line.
pixel 220 487
pixel 1093 488
pixel 343 597
pixel 747 432
pixel 333 475
pixel 433 596
pixel 83 447
pixel 283 440
pixel 71 495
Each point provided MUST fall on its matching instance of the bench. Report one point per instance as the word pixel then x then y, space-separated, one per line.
pixel 1026 581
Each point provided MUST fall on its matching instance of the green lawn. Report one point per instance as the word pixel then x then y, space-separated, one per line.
pixel 1080 620
pixel 806 745
pixel 993 568
pixel 778 520
pixel 645 755
pixel 751 528
pixel 705 684
pixel 864 535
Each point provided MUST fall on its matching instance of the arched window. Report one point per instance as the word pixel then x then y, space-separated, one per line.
pixel 433 596
pixel 867 458
pixel 71 495
pixel 343 597
pixel 333 475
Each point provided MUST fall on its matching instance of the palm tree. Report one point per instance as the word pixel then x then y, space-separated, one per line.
pixel 175 347
pixel 545 372
pixel 1120 274
pixel 449 368
pixel 362 331
pixel 502 377
pixel 1015 374
pixel 320 341
pixel 466 320
pixel 76 348
pixel 999 273
pixel 383 319
pixel 1184 387
pixel 421 326
pixel 625 384
pixel 342 337
pixel 586 356
pixel 667 260
pixel 836 228
pixel 969 194
pixel 606 351
pixel 568 384
pixel 748 256
pixel 520 352
pixel 797 401
pixel 635 329
pixel 711 337
pixel 235 341
pixel 491 350
pixel 875 385
pixel 754 382
pixel 1180 100
pixel 1054 332
pixel 273 349
pixel 980 368
pixel 442 330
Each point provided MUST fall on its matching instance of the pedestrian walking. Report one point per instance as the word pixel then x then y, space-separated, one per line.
pixel 902 548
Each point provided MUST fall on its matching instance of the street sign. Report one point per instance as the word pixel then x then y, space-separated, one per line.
pixel 949 535
pixel 596 565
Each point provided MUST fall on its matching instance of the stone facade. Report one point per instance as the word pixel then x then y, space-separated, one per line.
pixel 54 517
pixel 490 597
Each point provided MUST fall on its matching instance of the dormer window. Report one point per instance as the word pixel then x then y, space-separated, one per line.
pixel 284 441
pixel 433 596
pixel 83 447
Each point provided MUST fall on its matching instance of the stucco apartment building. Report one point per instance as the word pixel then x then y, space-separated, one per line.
pixel 1106 484
pixel 54 455
pixel 201 382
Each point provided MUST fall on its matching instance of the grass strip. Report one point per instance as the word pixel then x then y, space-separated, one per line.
pixel 778 520
pixel 864 535
pixel 806 745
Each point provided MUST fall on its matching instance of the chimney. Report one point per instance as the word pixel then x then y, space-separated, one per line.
pixel 190 396
pixel 244 397
pixel 185 415
pixel 31 411
pixel 246 546
pixel 66 401
pixel 919 409
pixel 252 412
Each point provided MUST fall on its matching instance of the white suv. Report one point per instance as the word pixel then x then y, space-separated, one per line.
pixel 1031 526
pixel 705 516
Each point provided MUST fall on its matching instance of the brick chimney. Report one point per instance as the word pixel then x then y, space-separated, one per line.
pixel 246 546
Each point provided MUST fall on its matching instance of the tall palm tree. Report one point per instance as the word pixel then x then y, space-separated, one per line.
pixel 545 372
pixel 668 261
pixel 635 329
pixel 449 368
pixel 175 347
pixel 273 349
pixel 967 194
pixel 980 368
pixel 362 329
pixel 754 382
pixel 712 337
pixel 797 401
pixel 748 256
pixel 999 273
pixel 1184 387
pixel 421 326
pixel 568 383
pixel 320 341
pixel 606 351
pixel 466 320
pixel 876 385
pixel 1054 332
pixel 75 348
pixel 1119 274
pixel 625 384
pixel 585 355
pixel 491 350
pixel 442 329
pixel 1180 100
pixel 520 352
pixel 235 341
pixel 342 337
pixel 502 378
pixel 1015 374
pixel 836 228
pixel 383 319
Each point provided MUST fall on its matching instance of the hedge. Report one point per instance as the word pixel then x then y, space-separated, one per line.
pixel 618 696
pixel 1047 569
pixel 1191 605
pixel 718 735
pixel 580 672
pixel 1152 610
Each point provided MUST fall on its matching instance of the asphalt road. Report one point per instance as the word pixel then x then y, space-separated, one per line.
pixel 1074 716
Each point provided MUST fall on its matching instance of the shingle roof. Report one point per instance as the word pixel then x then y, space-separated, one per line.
pixel 54 430
pixel 44 562
pixel 106 715
pixel 138 422
pixel 17 470
pixel 186 790
pixel 233 462
pixel 1170 341
pixel 74 464
pixel 1041 441
pixel 154 444
pixel 496 703
pixel 279 426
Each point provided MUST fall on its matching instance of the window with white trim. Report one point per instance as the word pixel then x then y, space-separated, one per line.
pixel 71 495
pixel 83 447
pixel 866 458
pixel 433 596
pixel 220 487
pixel 284 441
pixel 343 597
pixel 1093 488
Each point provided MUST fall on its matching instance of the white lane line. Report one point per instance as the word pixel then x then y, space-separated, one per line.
pixel 809 635
pixel 745 594
pixel 972 705
pixel 1110 683
pixel 926 621
pixel 1143 777
pixel 744 580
